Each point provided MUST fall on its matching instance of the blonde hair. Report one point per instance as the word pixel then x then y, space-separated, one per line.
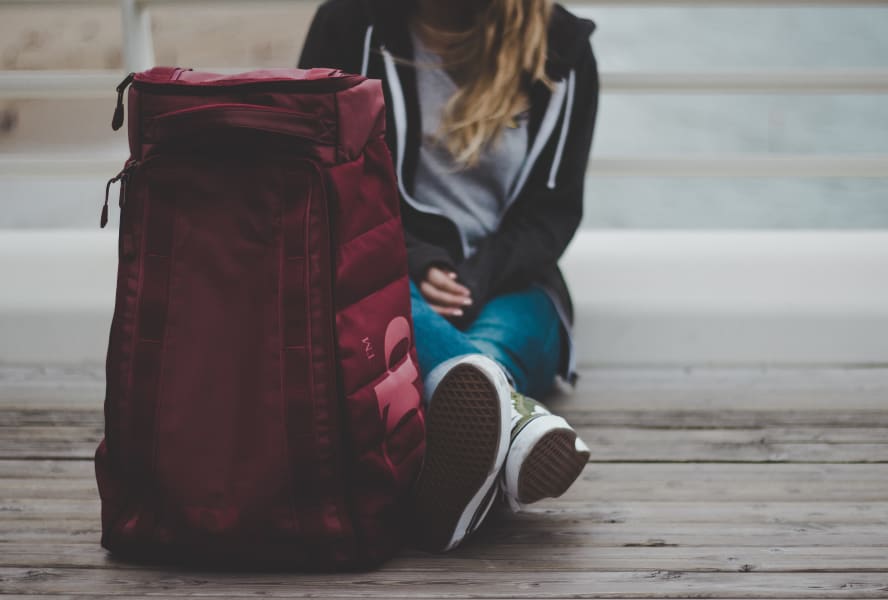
pixel 492 62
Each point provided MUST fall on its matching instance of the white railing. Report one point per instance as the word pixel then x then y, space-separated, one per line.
pixel 737 165
pixel 138 52
pixel 100 84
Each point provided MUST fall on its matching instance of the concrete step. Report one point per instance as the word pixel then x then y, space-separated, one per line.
pixel 642 297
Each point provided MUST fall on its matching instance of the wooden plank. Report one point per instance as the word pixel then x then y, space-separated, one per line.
pixel 528 540
pixel 576 415
pixel 514 557
pixel 560 523
pixel 42 414
pixel 812 513
pixel 49 441
pixel 37 416
pixel 13 434
pixel 665 377
pixel 740 399
pixel 800 444
pixel 473 584
pixel 735 378
pixel 565 531
pixel 45 468
pixel 579 413
pixel 747 406
pixel 737 482
pixel 610 446
pixel 554 530
pixel 607 389
pixel 91 429
pixel 724 419
pixel 627 444
pixel 92 417
pixel 602 481
pixel 91 397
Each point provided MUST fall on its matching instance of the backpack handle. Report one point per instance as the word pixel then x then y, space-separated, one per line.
pixel 215 118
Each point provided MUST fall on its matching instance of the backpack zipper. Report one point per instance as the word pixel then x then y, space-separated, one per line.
pixel 122 178
pixel 333 84
pixel 117 121
pixel 315 85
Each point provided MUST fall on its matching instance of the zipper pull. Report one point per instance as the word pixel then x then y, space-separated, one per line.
pixel 121 177
pixel 117 121
pixel 124 180
pixel 103 218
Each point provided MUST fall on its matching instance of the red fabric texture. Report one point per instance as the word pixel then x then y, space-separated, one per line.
pixel 262 405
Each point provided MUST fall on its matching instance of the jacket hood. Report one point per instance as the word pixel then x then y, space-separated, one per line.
pixel 567 37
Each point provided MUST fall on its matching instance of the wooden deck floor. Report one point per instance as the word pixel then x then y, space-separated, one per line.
pixel 703 483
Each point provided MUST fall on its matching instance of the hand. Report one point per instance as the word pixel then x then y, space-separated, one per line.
pixel 444 294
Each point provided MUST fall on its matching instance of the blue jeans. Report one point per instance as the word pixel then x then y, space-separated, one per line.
pixel 520 330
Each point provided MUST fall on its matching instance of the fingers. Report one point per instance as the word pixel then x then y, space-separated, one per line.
pixel 446 280
pixel 446 311
pixel 436 295
pixel 444 294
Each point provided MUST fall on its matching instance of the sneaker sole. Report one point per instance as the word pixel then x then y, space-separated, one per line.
pixel 466 444
pixel 551 466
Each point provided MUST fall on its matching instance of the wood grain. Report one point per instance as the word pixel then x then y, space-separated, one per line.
pixel 424 584
pixel 603 481
pixel 513 557
pixel 78 437
pixel 702 483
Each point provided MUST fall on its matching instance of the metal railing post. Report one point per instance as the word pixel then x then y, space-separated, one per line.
pixel 138 44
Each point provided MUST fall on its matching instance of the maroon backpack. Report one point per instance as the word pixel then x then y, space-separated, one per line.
pixel 263 399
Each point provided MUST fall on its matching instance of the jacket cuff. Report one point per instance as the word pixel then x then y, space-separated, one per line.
pixel 421 258
pixel 477 286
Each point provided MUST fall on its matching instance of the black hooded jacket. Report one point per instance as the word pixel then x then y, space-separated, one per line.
pixel 367 36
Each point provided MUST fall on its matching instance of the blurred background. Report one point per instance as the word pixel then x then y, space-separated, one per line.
pixel 737 198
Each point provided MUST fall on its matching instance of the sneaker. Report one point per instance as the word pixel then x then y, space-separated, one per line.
pixel 467 439
pixel 545 457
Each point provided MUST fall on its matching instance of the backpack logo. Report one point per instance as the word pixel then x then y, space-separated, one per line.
pixel 396 394
pixel 368 348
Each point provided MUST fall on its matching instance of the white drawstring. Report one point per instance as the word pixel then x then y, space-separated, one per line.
pixel 399 112
pixel 565 126
pixel 544 134
pixel 366 59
